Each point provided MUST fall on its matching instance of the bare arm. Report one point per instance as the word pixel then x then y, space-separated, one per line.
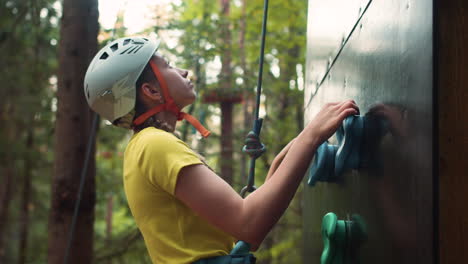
pixel 251 219
pixel 278 159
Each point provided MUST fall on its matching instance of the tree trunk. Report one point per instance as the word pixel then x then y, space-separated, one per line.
pixel 226 141
pixel 5 198
pixel 24 219
pixel 78 44
pixel 287 100
pixel 110 206
pixel 226 107
pixel 7 176
pixel 29 161
pixel 248 122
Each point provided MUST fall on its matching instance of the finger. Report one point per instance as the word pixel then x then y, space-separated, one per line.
pixel 354 105
pixel 348 104
pixel 347 112
pixel 331 104
pixel 339 105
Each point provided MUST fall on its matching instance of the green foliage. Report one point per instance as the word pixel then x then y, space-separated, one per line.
pixel 28 41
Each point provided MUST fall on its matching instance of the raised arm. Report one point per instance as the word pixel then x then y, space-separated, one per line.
pixel 251 219
pixel 278 159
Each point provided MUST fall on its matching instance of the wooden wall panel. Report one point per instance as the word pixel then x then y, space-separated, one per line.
pixel 451 38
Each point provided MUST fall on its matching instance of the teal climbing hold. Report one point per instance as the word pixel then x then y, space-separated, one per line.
pixel 342 239
pixel 332 160
pixel 349 140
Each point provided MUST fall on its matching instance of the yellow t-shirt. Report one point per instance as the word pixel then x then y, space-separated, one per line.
pixel 173 233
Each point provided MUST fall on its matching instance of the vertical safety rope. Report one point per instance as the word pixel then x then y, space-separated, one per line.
pixel 253 147
pixel 89 147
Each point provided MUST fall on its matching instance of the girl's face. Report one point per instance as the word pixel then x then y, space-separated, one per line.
pixel 180 88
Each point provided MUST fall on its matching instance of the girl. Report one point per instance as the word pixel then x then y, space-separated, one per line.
pixel 184 210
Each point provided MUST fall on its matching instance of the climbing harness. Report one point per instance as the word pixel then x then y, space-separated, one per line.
pixel 239 255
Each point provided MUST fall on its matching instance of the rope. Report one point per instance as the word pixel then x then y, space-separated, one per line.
pixel 82 181
pixel 253 147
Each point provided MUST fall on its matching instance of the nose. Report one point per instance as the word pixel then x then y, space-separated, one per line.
pixel 184 73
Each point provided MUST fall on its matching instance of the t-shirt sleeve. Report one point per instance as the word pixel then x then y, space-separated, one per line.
pixel 163 157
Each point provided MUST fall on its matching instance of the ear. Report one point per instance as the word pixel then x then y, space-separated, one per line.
pixel 152 92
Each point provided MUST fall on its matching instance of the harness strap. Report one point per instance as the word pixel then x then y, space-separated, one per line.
pixel 239 255
pixel 229 259
pixel 195 123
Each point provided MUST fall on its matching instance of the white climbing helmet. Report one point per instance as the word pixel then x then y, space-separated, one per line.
pixel 110 81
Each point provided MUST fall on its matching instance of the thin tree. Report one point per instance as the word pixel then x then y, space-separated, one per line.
pixel 30 138
pixel 226 105
pixel 7 176
pixel 247 99
pixel 78 43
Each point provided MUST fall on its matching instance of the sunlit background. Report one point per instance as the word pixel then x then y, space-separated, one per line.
pixel 138 14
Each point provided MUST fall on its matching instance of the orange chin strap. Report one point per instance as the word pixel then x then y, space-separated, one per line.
pixel 169 106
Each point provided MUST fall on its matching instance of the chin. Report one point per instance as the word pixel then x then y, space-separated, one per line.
pixel 189 101
pixel 193 97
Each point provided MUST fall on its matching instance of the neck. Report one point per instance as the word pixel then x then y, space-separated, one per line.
pixel 162 120
pixel 167 118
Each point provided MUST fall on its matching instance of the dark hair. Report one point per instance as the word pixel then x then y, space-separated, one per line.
pixel 146 76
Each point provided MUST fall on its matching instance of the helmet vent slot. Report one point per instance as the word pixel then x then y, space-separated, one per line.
pixel 114 47
pixel 87 91
pixel 126 50
pixel 138 49
pixel 126 42
pixel 104 56
pixel 133 48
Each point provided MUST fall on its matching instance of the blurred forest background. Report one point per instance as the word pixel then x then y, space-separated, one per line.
pixel 218 41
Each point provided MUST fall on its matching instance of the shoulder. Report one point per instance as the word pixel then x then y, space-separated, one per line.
pixel 159 156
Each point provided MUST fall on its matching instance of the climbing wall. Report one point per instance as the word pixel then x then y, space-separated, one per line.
pixel 378 53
